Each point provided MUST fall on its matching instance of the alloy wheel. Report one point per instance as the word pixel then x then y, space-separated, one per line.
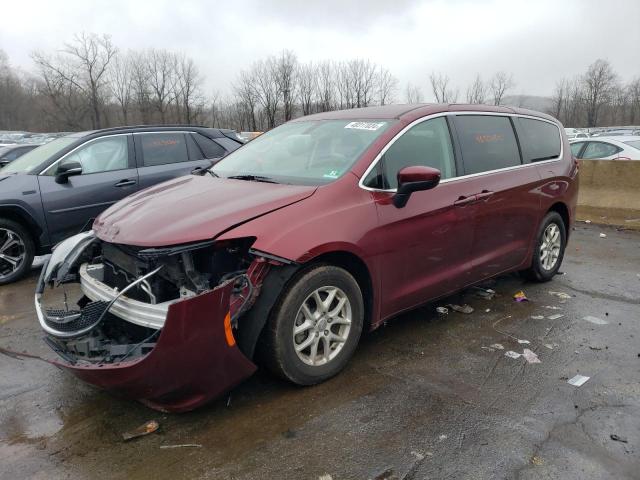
pixel 550 246
pixel 12 252
pixel 322 325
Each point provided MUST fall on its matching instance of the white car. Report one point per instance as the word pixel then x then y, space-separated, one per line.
pixel 573 133
pixel 607 148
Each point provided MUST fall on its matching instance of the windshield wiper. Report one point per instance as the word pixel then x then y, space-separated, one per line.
pixel 253 178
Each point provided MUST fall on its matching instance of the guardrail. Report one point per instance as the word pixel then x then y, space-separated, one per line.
pixel 610 192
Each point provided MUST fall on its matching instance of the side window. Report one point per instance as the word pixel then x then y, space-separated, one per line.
pixel 210 148
pixel 487 142
pixel 575 148
pixel 597 150
pixel 102 155
pixel 539 140
pixel 427 144
pixel 163 148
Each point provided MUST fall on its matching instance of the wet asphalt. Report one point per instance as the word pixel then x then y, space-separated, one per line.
pixel 424 397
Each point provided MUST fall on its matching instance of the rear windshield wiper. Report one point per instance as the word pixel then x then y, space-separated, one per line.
pixel 253 178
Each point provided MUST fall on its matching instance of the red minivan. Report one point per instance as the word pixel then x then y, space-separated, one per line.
pixel 287 249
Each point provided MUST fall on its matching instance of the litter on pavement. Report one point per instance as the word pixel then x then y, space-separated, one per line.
pixel 524 342
pixel 595 320
pixel 520 297
pixel 578 380
pixel 512 354
pixel 551 307
pixel 485 293
pixel 603 235
pixel 461 308
pixel 497 346
pixel 555 317
pixel 442 310
pixel 618 438
pixel 537 317
pixel 183 445
pixel 562 295
pixel 144 429
pixel 530 356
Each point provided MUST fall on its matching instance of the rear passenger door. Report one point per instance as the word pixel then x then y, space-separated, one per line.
pixel 507 202
pixel 165 155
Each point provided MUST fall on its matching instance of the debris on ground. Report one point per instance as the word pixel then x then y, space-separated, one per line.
pixel 535 460
pixel 485 293
pixel 524 342
pixel 487 310
pixel 550 346
pixel 520 297
pixel 443 437
pixel 326 476
pixel 512 354
pixel 618 438
pixel 595 320
pixel 603 235
pixel 578 380
pixel 461 308
pixel 442 310
pixel 183 445
pixel 587 221
pixel 144 429
pixel 555 317
pixel 537 317
pixel 564 296
pixel 551 307
pixel 530 356
pixel 497 346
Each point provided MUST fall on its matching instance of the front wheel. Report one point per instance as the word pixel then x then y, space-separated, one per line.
pixel 315 327
pixel 551 241
pixel 16 251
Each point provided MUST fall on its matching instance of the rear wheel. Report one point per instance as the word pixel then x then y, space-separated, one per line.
pixel 315 327
pixel 16 251
pixel 549 249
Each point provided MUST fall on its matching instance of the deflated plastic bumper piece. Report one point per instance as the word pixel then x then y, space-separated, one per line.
pixel 194 361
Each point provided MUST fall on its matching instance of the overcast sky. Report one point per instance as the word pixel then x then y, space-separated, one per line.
pixel 537 41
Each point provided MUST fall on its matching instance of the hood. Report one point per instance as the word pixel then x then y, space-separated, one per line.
pixel 190 209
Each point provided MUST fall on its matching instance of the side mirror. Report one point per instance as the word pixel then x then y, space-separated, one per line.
pixel 66 170
pixel 414 179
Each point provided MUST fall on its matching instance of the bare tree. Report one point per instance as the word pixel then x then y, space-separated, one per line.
pixel 121 83
pixel 387 85
pixel 188 83
pixel 599 82
pixel 325 85
pixel 476 92
pixel 634 100
pixel 413 94
pixel 161 79
pixel 285 70
pixel 247 98
pixel 267 89
pixel 559 97
pixel 441 89
pixel 500 83
pixel 306 75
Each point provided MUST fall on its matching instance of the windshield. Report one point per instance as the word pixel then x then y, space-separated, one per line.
pixel 31 161
pixel 634 144
pixel 306 152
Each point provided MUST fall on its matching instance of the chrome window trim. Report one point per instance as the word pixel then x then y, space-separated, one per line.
pixel 44 172
pixel 375 161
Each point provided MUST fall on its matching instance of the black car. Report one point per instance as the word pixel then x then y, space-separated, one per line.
pixel 10 152
pixel 57 190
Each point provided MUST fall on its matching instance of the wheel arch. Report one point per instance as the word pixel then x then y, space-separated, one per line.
pixel 20 216
pixel 563 211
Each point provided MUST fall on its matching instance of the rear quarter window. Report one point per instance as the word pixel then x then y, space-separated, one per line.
pixel 487 143
pixel 209 147
pixel 539 140
pixel 163 148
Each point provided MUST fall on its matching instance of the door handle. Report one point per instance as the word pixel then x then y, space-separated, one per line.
pixel 462 200
pixel 484 195
pixel 196 170
pixel 125 183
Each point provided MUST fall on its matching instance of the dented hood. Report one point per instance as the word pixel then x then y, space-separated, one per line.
pixel 193 208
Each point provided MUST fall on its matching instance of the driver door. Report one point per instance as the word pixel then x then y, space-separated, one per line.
pixel 108 175
pixel 425 246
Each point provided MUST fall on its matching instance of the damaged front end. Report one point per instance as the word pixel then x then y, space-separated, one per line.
pixel 153 324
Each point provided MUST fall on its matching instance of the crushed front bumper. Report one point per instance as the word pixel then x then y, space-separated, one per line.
pixel 194 360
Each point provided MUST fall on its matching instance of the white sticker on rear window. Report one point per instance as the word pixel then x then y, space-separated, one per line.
pixel 365 125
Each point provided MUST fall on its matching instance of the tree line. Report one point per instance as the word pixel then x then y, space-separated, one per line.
pixel 90 83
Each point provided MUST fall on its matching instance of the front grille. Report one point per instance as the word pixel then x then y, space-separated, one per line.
pixel 74 320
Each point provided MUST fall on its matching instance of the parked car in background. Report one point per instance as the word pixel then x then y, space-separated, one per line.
pixel 10 152
pixel 575 133
pixel 54 191
pixel 309 234
pixel 605 148
pixel 617 132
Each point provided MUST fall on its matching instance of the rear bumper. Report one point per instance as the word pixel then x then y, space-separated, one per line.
pixel 194 360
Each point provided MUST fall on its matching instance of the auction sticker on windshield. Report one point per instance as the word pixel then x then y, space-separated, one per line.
pixel 365 125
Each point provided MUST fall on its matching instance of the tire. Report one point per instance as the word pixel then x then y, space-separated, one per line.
pixel 16 242
pixel 542 269
pixel 279 345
